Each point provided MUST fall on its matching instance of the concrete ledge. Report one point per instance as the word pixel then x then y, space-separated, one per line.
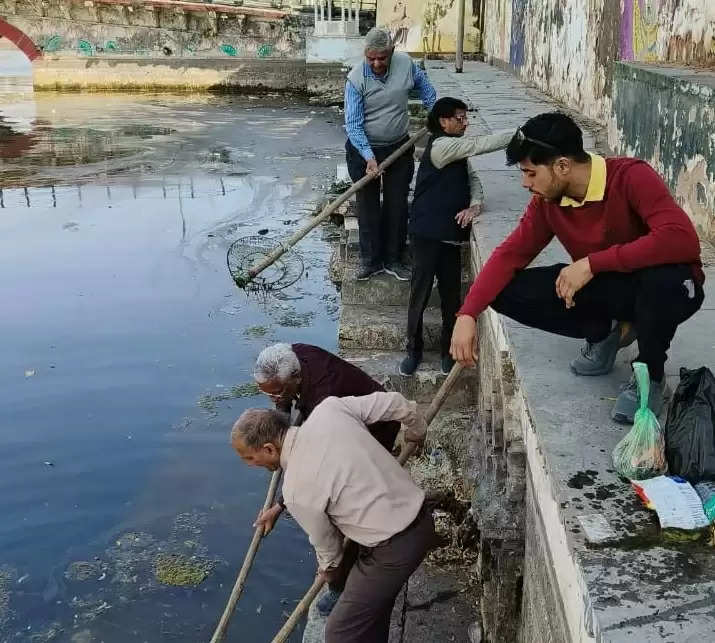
pixel 129 73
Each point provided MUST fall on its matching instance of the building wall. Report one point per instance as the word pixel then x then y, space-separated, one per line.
pixel 428 26
pixel 667 116
pixel 566 47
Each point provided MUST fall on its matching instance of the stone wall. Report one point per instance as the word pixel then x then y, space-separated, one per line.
pixel 496 476
pixel 566 47
pixel 666 115
pixel 167 45
pixel 123 28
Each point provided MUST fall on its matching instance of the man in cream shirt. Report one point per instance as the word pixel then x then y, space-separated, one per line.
pixel 340 482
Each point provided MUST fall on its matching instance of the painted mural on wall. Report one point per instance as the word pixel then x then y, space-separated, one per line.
pixel 157 33
pixel 567 47
pixel 427 26
pixel 639 29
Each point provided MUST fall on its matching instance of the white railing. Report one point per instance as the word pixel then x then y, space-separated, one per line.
pixel 347 25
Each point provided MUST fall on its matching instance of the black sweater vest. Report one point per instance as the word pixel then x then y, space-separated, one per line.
pixel 439 196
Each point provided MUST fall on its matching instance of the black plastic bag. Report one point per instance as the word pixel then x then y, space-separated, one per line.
pixel 690 428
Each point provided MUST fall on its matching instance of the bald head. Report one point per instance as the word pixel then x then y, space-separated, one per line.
pixel 257 436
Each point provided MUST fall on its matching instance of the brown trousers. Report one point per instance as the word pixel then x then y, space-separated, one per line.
pixel 362 615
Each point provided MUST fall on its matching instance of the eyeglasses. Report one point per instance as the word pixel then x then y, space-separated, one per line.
pixel 462 118
pixel 521 137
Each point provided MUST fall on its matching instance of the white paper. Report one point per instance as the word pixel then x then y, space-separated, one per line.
pixel 676 502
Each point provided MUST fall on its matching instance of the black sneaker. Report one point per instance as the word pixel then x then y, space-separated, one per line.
pixel 409 365
pixel 398 271
pixel 447 364
pixel 365 272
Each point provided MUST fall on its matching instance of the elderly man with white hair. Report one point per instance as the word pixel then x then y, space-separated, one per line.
pixel 339 482
pixel 307 375
pixel 376 122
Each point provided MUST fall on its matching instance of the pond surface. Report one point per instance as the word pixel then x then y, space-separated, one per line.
pixel 127 351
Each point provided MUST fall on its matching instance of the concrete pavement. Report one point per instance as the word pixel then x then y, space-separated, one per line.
pixel 642 589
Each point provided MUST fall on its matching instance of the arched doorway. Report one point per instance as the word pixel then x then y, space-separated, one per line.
pixel 20 40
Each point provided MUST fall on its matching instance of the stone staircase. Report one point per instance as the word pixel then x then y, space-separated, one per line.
pixel 371 335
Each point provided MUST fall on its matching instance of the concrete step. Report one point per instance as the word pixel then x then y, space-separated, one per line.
pixel 423 385
pixel 384 290
pixel 383 328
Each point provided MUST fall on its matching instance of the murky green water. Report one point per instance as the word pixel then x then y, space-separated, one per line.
pixel 126 348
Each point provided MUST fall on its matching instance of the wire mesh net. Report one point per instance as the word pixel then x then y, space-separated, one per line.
pixel 243 254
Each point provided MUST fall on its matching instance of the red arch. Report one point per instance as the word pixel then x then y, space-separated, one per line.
pixel 22 42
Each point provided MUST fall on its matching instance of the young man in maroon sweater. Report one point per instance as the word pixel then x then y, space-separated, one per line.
pixel 636 258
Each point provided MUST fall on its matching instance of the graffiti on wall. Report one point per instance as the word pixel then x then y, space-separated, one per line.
pixel 426 25
pixel 516 46
pixel 639 29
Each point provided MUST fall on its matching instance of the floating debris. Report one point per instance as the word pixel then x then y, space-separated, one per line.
pixel 30 372
pixel 296 320
pixel 7 575
pixel 182 571
pixel 52 633
pixel 81 570
pixel 256 331
pixel 208 400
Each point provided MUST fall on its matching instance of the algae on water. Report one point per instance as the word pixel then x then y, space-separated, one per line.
pixel 180 570
pixel 7 575
pixel 208 400
pixel 256 331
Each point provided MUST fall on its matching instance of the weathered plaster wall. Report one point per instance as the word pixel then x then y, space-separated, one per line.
pixel 674 129
pixel 122 28
pixel 428 26
pixel 566 47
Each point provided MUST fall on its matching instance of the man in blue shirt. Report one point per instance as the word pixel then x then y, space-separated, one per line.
pixel 376 122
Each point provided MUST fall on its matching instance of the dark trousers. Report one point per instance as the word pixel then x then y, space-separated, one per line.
pixel 654 299
pixel 362 615
pixel 432 259
pixel 383 229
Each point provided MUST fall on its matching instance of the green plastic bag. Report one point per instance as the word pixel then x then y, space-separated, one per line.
pixel 641 453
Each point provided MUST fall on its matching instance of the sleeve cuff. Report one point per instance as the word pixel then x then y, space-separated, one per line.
pixel 600 262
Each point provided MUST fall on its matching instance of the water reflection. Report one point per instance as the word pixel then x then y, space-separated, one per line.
pixel 126 345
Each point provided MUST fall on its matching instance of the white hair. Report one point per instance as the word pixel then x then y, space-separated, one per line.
pixel 256 427
pixel 378 39
pixel 276 363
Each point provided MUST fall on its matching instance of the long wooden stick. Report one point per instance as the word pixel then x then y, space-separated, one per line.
pixel 318 583
pixel 283 247
pixel 247 562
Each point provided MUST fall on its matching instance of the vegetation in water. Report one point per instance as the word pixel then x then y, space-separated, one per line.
pixel 256 331
pixel 338 187
pixel 208 400
pixel 179 570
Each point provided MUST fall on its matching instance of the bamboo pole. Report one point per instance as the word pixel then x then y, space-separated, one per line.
pixel 318 583
pixel 247 562
pixel 282 248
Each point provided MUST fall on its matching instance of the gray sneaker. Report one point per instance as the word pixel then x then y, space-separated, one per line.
pixel 598 358
pixel 624 410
